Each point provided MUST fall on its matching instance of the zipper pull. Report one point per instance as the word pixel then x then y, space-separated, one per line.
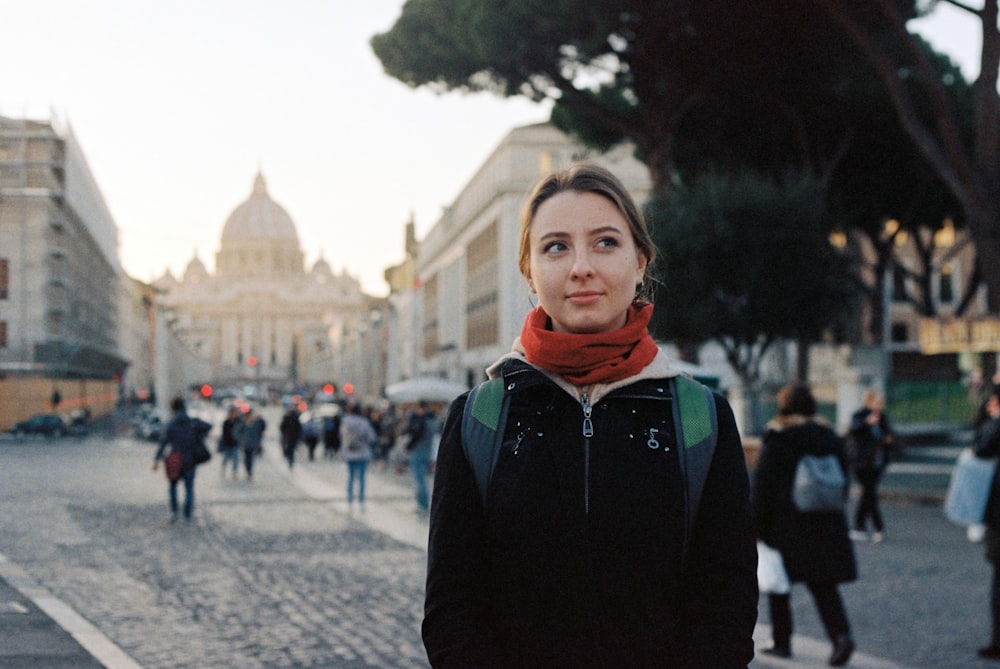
pixel 588 425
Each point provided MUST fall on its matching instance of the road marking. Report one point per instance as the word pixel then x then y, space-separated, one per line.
pixel 101 647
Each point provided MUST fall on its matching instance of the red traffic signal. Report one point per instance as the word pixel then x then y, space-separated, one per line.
pixel 349 388
pixel 329 389
pixel 252 361
pixel 206 391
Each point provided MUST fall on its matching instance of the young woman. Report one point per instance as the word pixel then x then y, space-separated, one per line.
pixel 575 559
pixel 814 545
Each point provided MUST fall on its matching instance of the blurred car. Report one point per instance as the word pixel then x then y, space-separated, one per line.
pixel 48 424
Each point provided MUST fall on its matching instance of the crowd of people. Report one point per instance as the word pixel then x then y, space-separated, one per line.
pixel 351 432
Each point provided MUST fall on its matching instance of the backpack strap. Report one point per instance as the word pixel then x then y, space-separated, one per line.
pixel 694 416
pixel 482 430
pixel 696 424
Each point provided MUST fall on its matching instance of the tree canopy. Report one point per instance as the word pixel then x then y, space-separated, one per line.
pixel 890 129
pixel 748 264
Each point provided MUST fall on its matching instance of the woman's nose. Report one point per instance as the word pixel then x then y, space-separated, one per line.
pixel 582 267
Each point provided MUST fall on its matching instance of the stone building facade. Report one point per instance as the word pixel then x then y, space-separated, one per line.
pixel 61 284
pixel 262 317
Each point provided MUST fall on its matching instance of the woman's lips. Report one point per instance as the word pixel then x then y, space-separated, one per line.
pixel 583 297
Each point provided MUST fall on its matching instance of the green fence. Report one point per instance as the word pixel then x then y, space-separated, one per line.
pixel 930 402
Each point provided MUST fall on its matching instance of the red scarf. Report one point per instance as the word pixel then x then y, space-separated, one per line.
pixel 584 359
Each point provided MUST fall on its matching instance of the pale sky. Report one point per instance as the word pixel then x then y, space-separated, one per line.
pixel 178 104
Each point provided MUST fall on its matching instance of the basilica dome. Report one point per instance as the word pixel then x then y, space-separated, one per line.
pixel 259 239
pixel 259 218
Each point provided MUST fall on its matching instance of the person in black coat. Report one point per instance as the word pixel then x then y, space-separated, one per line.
pixel 291 432
pixel 870 438
pixel 574 554
pixel 815 546
pixel 987 445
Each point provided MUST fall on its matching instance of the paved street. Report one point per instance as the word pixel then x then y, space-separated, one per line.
pixel 279 572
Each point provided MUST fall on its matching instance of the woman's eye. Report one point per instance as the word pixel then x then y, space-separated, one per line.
pixel 607 242
pixel 554 247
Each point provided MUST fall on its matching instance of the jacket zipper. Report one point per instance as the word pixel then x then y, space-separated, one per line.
pixel 588 432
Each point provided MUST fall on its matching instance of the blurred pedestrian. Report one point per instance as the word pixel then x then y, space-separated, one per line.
pixel 987 445
pixel 229 441
pixel 420 431
pixel 814 545
pixel 291 431
pixel 976 532
pixel 356 438
pixel 252 439
pixel 574 552
pixel 869 445
pixel 181 435
pixel 331 435
pixel 310 437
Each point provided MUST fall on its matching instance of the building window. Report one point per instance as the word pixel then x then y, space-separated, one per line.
pixel 946 284
pixel 482 323
pixel 3 334
pixel 4 277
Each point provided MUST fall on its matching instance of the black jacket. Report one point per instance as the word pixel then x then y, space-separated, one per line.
pixel 869 448
pixel 987 445
pixel 575 562
pixel 814 546
pixel 182 434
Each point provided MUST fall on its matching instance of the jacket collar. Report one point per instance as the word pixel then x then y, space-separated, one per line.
pixel 659 368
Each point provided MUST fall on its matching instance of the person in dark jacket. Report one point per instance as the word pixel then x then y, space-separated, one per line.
pixel 871 440
pixel 815 546
pixel 419 446
pixel 181 434
pixel 229 441
pixel 291 432
pixel 574 559
pixel 987 445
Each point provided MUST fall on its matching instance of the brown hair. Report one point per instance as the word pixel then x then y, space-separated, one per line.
pixel 796 399
pixel 585 178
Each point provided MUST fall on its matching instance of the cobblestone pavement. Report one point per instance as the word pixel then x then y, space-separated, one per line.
pixel 280 572
pixel 266 576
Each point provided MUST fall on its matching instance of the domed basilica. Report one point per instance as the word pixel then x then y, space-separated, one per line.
pixel 262 315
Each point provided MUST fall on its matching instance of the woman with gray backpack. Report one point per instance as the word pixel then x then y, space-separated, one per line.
pixel 796 514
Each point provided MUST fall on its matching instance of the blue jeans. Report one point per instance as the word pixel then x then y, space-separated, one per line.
pixel 188 478
pixel 420 461
pixel 231 455
pixel 356 468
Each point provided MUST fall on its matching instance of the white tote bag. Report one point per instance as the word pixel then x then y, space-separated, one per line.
pixel 771 575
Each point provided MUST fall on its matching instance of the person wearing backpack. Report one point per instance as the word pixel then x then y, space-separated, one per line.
pixel 577 551
pixel 356 439
pixel 869 441
pixel 814 544
pixel 181 435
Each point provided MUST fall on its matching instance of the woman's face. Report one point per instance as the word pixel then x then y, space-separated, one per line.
pixel 584 264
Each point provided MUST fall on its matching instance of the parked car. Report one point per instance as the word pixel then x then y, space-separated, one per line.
pixel 48 424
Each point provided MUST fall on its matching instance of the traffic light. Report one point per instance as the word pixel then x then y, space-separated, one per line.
pixel 206 391
pixel 349 388
pixel 329 389
pixel 252 361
